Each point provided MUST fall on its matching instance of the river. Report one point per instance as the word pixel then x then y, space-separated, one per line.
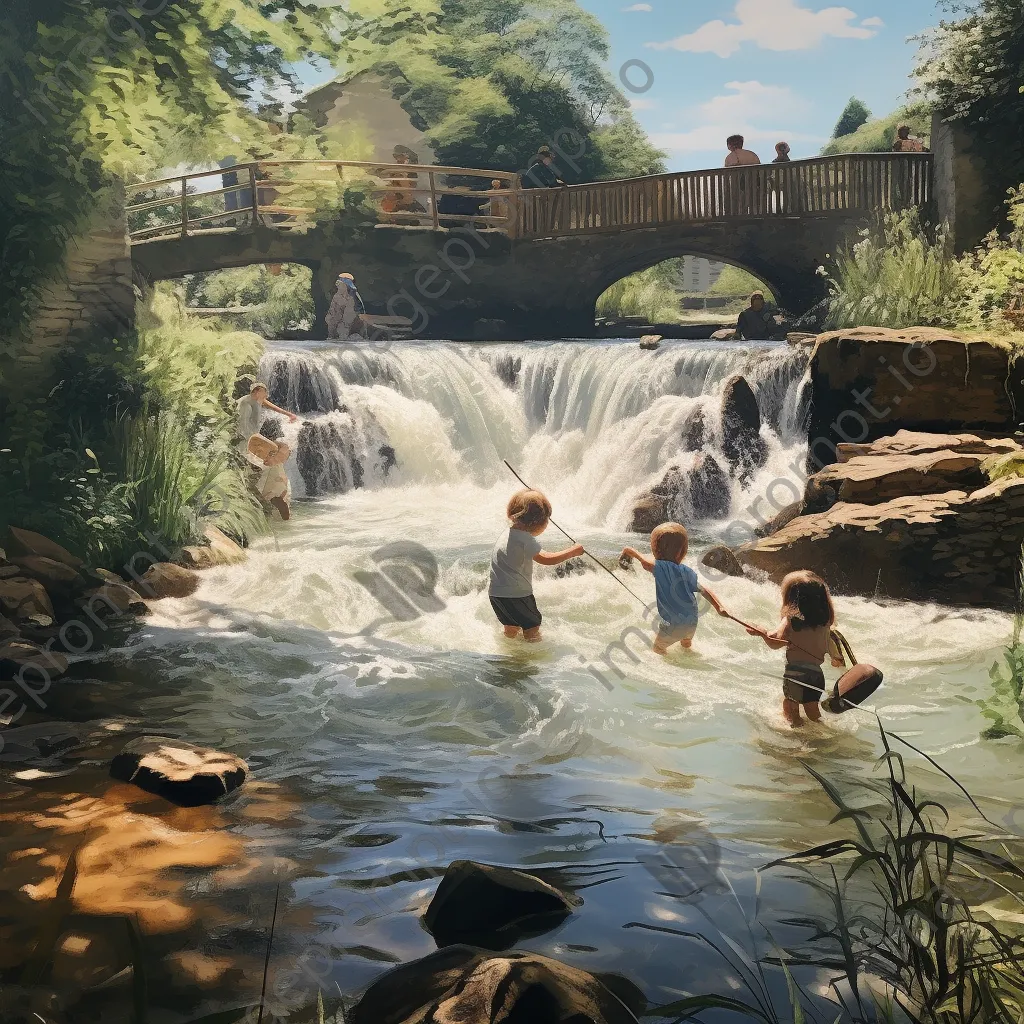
pixel 394 745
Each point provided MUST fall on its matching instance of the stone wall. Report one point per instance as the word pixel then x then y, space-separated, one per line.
pixel 92 291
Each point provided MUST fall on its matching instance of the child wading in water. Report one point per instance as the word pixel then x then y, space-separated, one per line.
pixel 511 586
pixel 273 486
pixel 805 631
pixel 676 585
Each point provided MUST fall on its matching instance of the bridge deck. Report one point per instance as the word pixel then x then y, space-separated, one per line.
pixel 295 195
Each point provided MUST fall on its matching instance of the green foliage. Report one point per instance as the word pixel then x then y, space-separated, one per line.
pixel 853 116
pixel 98 88
pixel 972 71
pixel 1005 708
pixel 491 80
pixel 735 282
pixel 896 276
pixel 283 301
pixel 878 134
pixel 648 294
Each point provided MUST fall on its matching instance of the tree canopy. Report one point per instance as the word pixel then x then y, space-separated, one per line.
pixel 489 81
pixel 853 116
pixel 972 71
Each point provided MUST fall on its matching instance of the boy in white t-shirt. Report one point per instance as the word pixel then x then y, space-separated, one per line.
pixel 511 586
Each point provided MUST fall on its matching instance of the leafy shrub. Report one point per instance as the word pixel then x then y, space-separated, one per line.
pixel 896 276
pixel 648 294
pixel 282 301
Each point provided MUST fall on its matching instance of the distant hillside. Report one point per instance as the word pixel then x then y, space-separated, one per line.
pixel 878 135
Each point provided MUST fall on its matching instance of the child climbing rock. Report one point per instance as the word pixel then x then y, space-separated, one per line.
pixel 511 586
pixel 676 585
pixel 273 486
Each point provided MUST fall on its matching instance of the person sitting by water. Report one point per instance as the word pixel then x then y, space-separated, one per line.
pixel 806 632
pixel 781 153
pixel 905 144
pixel 738 156
pixel 542 172
pixel 250 414
pixel 273 486
pixel 676 586
pixel 511 584
pixel 757 322
pixel 345 317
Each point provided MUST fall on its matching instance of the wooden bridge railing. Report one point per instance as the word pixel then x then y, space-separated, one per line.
pixel 826 186
pixel 293 194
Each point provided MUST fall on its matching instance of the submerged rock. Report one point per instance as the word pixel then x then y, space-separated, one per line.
pixel 695 431
pixel 508 368
pixel 710 493
pixel 180 772
pixel 113 599
pixel 488 906
pixel 742 444
pixel 470 986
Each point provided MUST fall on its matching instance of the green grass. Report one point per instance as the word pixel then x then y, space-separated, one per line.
pixel 879 134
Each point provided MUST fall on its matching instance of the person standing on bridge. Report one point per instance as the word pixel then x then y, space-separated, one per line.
pixel 738 156
pixel 904 143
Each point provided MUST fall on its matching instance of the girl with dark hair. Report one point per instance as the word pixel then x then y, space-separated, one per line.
pixel 805 631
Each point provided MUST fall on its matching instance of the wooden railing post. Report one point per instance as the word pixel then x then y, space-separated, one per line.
pixel 255 196
pixel 184 207
pixel 433 201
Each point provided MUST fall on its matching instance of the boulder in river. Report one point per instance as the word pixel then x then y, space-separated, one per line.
pixel 7 628
pixel 165 579
pixel 700 492
pixel 723 560
pixel 488 906
pixel 180 772
pixel 742 444
pixel 26 542
pixel 25 600
pixel 695 431
pixel 24 659
pixel 784 517
pixel 113 599
pixel 463 985
pixel 218 550
pixel 57 577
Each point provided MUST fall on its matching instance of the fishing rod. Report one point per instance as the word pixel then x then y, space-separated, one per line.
pixel 569 536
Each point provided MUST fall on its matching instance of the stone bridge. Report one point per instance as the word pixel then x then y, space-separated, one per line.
pixel 468 253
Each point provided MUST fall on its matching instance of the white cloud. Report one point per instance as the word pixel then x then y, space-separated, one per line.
pixel 772 25
pixel 873 23
pixel 762 114
pixel 646 8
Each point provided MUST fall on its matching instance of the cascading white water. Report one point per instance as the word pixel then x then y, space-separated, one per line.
pixel 596 424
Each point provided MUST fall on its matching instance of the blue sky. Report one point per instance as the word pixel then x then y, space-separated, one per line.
pixel 769 69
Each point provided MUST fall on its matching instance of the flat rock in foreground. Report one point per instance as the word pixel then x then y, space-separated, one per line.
pixel 463 985
pixel 180 772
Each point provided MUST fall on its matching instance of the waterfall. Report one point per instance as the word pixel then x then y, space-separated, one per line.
pixel 596 423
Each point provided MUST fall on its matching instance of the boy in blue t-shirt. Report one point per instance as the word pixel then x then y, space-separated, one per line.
pixel 676 585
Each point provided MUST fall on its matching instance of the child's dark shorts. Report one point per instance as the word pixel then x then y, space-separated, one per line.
pixel 803 683
pixel 517 611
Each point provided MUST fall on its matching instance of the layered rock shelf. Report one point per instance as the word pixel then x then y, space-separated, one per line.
pixel 911 516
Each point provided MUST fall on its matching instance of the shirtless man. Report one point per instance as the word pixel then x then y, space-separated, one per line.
pixel 738 156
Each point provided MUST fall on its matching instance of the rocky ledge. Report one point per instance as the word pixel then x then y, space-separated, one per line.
pixel 911 516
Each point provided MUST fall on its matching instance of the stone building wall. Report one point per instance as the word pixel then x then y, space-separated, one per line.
pixel 93 291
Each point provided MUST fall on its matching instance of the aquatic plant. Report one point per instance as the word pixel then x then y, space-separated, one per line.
pixel 1005 707
pixel 910 936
